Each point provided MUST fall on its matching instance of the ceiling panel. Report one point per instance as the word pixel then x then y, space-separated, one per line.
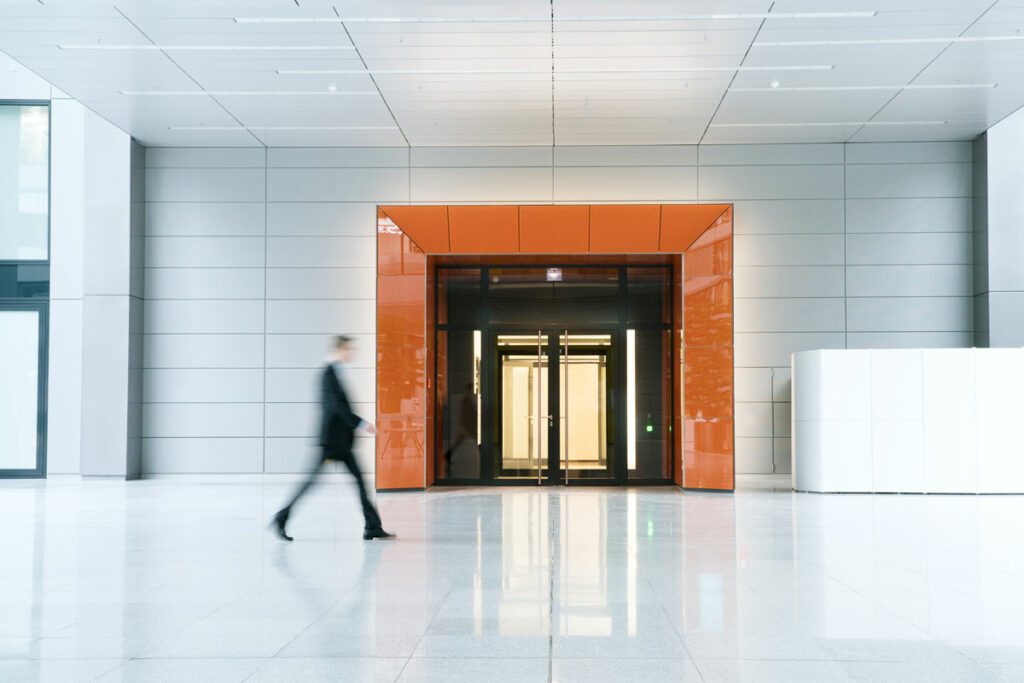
pixel 505 73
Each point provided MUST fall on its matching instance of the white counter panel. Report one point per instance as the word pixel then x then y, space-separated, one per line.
pixel 908 421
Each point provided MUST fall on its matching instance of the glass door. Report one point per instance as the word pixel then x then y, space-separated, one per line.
pixel 554 403
pixel 586 399
pixel 525 423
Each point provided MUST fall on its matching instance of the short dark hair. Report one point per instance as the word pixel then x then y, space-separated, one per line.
pixel 341 341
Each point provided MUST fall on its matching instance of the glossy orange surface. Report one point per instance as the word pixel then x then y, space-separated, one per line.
pixel 699 234
pixel 483 229
pixel 401 356
pixel 708 358
pixel 554 229
pixel 682 224
pixel 427 226
pixel 624 228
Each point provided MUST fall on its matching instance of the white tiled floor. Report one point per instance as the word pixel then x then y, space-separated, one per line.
pixel 161 580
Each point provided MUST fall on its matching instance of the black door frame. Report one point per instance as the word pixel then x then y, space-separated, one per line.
pixel 488 384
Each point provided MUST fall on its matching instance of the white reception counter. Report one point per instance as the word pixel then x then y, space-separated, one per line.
pixel 908 421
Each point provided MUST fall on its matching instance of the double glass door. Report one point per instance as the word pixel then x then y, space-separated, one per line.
pixel 554 414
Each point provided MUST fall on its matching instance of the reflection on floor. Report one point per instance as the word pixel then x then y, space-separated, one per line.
pixel 175 581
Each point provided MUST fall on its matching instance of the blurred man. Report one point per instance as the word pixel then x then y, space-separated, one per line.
pixel 337 433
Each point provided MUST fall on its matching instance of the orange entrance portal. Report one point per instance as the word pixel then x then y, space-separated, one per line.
pixel 698 236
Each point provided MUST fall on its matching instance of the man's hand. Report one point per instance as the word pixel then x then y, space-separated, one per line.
pixel 369 428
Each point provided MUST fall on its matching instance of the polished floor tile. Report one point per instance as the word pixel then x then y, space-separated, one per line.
pixel 162 580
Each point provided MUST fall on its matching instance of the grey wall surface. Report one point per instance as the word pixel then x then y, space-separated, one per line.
pixel 998 231
pixel 254 257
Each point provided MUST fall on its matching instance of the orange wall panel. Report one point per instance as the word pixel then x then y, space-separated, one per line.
pixel 624 228
pixel 554 229
pixel 702 346
pixel 682 224
pixel 484 229
pixel 401 369
pixel 427 226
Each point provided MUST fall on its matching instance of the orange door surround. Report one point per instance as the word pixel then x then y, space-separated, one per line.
pixel 699 234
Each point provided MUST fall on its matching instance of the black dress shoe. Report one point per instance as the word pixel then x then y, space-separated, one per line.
pixel 379 534
pixel 278 525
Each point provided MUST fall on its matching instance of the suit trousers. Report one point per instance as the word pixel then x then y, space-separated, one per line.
pixel 371 517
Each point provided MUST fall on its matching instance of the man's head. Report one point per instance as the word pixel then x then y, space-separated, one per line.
pixel 342 349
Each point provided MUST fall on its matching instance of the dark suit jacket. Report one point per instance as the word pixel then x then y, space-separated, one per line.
pixel 339 423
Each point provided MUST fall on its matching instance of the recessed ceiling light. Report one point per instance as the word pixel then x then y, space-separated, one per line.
pixel 210 48
pixel 889 41
pixel 548 71
pixel 222 128
pixel 775 83
pixel 843 88
pixel 829 123
pixel 332 88
pixel 547 19
pixel 245 93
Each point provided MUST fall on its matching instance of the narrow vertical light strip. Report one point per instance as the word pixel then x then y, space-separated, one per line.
pixel 631 399
pixel 477 345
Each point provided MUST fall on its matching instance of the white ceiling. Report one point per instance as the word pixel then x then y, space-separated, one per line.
pixel 530 72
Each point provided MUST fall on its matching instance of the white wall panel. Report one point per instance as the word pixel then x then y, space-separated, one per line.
pixel 199 317
pixel 906 249
pixel 321 252
pixel 908 340
pixel 202 419
pixel 206 157
pixel 310 350
pixel 321 283
pixel 908 153
pixel 753 455
pixel 760 155
pixel 205 185
pixel 287 385
pixel 205 283
pixel 321 218
pixel 64 390
pixel 908 180
pixel 204 219
pixel 203 351
pixel 788 281
pixel 337 184
pixel 513 184
pixel 909 214
pixel 910 314
pixel 202 456
pixel 493 157
pixel 754 419
pixel 337 157
pixel 788 250
pixel 324 317
pixel 208 385
pixel 626 155
pixel 625 183
pixel 789 315
pixel 909 280
pixel 215 252
pixel 771 182
pixel 772 349
pixel 787 216
pixel 753 384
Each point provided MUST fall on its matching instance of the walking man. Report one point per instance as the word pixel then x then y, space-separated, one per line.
pixel 338 425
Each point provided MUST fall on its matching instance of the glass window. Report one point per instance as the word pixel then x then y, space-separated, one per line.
pixel 19 386
pixel 24 182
